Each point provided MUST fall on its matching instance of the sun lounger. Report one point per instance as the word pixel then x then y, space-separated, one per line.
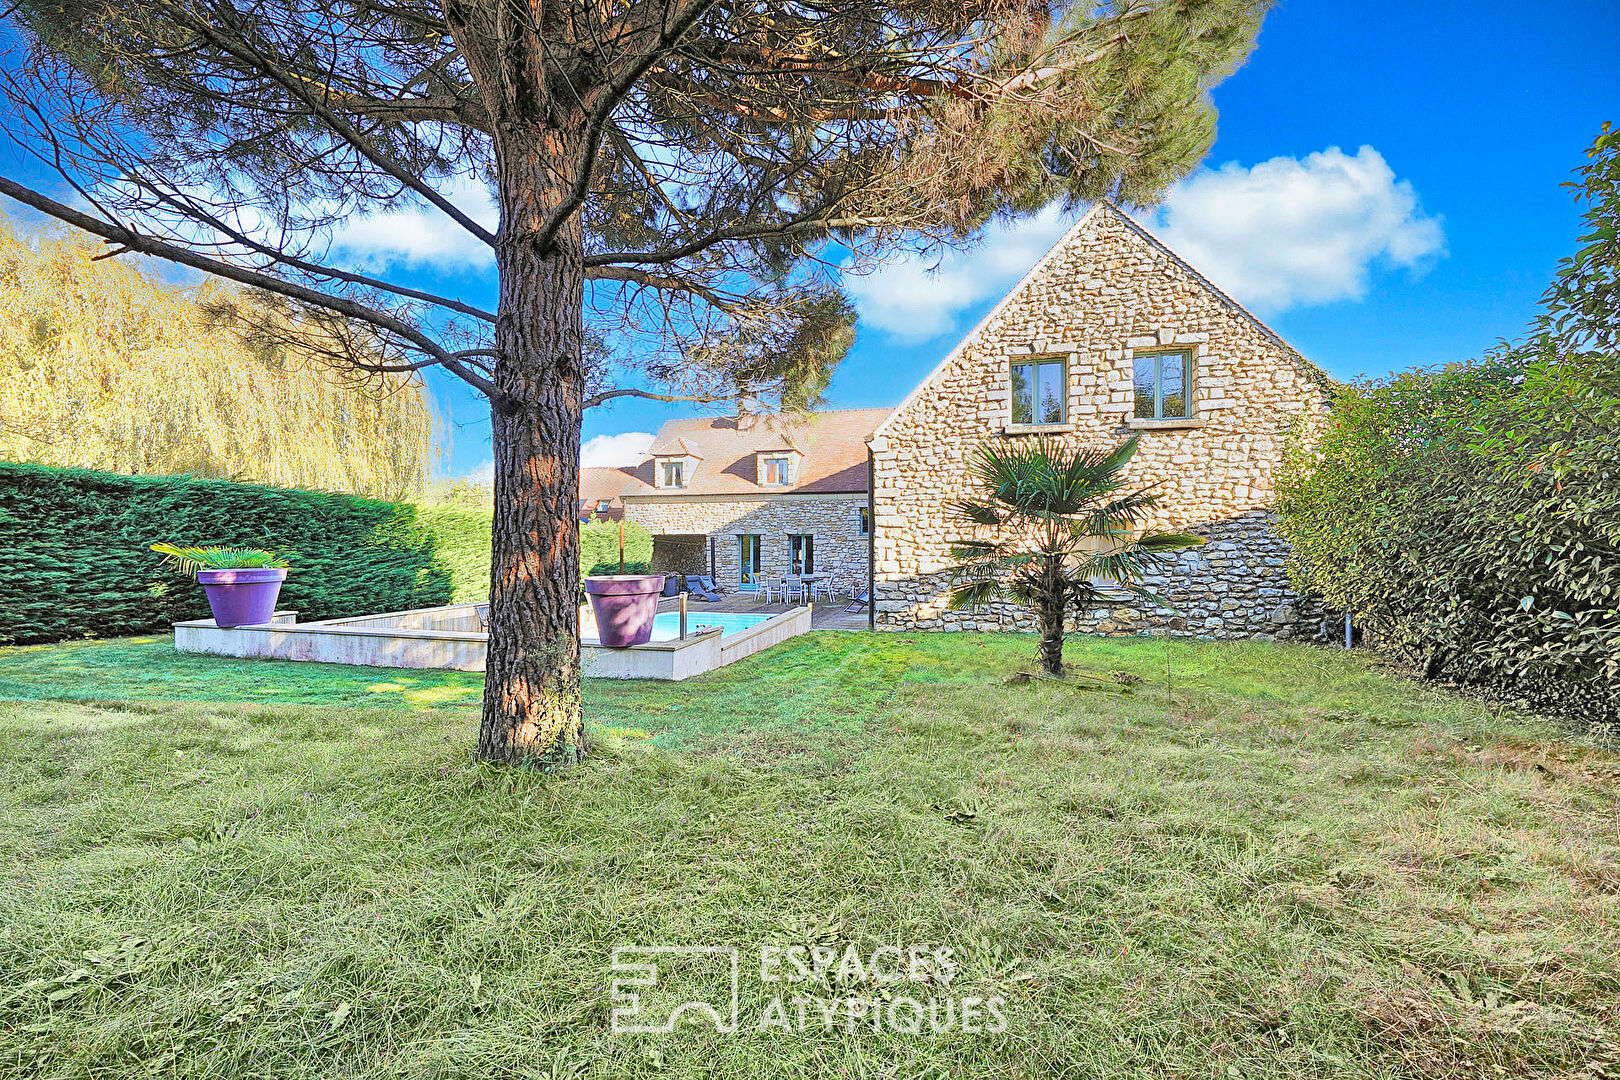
pixel 694 586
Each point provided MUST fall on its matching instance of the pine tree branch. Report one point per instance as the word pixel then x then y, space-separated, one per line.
pixel 177 253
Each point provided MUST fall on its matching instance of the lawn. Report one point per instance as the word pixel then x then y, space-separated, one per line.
pixel 1285 862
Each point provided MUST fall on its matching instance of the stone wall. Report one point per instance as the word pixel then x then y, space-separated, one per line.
pixel 680 555
pixel 1231 587
pixel 834 521
pixel 1104 294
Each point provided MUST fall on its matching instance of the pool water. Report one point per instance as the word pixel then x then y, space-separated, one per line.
pixel 667 624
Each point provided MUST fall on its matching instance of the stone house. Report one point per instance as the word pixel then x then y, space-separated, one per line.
pixel 752 496
pixel 1110 335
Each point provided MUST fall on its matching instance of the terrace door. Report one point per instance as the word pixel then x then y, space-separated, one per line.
pixel 748 559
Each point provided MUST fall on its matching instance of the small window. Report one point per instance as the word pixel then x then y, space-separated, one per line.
pixel 866 521
pixel 802 553
pixel 748 558
pixel 673 474
pixel 603 505
pixel 776 470
pixel 1161 386
pixel 1040 391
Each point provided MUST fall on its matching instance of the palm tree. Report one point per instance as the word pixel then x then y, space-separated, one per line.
pixel 1060 523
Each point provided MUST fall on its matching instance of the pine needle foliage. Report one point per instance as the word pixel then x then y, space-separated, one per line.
pixel 105 367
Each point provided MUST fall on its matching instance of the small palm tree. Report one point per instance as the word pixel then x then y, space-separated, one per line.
pixel 1060 523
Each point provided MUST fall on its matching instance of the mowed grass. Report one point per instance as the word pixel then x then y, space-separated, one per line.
pixel 1283 863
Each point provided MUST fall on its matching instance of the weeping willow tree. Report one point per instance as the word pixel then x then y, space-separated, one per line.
pixel 103 367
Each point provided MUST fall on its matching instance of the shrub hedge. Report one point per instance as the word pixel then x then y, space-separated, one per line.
pixel 464 536
pixel 77 563
pixel 1470 519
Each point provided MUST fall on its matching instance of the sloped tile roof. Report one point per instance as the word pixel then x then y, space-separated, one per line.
pixel 833 444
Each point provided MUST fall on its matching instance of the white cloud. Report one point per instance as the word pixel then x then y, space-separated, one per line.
pixel 480 475
pixel 414 234
pixel 910 300
pixel 1284 233
pixel 1290 232
pixel 626 449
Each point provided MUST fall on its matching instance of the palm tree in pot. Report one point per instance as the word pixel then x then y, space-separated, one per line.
pixel 1056 528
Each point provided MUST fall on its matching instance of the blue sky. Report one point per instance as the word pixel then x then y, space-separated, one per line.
pixel 1384 192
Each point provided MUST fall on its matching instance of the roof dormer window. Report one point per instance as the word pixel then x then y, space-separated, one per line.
pixel 672 474
pixel 777 470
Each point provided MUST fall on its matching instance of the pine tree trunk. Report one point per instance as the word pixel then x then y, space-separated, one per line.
pixel 1049 613
pixel 532 710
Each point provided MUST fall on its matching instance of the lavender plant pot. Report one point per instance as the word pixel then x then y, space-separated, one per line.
pixel 624 606
pixel 242 597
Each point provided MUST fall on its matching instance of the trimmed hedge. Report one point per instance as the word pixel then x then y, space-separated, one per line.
pixel 464 537
pixel 77 563
pixel 599 548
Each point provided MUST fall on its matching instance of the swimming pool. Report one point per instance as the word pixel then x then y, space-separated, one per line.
pixel 667 624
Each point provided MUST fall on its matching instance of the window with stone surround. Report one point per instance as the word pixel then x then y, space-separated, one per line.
pixel 802 553
pixel 1040 391
pixel 672 474
pixel 866 521
pixel 1163 385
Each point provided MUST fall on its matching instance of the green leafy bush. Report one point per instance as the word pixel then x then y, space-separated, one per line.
pixel 78 561
pixel 1470 517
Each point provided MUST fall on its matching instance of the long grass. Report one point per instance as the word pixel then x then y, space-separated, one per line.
pixel 1286 863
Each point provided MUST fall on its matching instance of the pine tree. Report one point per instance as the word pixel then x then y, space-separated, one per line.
pixel 674 180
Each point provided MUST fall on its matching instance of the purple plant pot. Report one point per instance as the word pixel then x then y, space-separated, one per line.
pixel 242 597
pixel 624 606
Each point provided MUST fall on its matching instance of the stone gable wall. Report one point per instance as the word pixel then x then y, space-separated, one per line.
pixel 834 521
pixel 1104 296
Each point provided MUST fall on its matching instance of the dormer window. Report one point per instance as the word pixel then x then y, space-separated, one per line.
pixel 778 469
pixel 671 474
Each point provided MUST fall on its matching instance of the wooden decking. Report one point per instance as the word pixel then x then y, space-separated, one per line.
pixel 823 616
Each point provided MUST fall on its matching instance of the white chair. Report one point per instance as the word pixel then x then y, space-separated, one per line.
pixel 823 587
pixel 794 588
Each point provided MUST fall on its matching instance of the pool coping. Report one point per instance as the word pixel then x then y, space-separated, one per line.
pixel 361 641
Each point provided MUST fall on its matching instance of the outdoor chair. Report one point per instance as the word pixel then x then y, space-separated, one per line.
pixel 708 583
pixel 794 587
pixel 823 588
pixel 857 603
pixel 694 585
pixel 482 612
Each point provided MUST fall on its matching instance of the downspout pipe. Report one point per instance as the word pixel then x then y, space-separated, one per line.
pixel 871 541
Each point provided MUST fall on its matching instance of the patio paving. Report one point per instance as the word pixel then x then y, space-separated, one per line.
pixel 824 615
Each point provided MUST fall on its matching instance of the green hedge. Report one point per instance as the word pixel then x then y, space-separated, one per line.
pixel 599 548
pixel 1470 519
pixel 463 536
pixel 76 561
